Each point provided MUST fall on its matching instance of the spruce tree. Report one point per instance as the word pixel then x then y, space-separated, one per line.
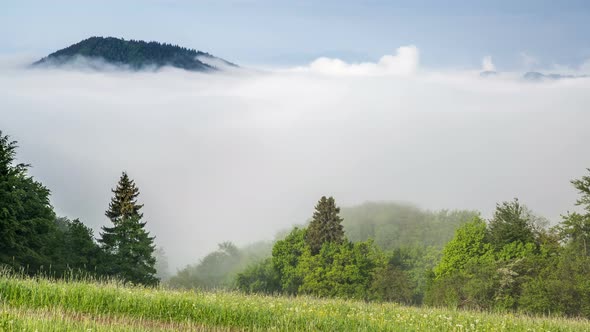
pixel 326 225
pixel 128 246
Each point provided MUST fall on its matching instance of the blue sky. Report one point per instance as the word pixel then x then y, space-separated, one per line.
pixel 450 34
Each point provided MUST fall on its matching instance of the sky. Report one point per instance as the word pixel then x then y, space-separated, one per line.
pixel 365 102
pixel 458 34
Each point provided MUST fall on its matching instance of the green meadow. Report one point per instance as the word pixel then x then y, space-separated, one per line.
pixel 37 304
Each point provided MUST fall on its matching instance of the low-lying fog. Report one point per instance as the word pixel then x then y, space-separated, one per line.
pixel 239 155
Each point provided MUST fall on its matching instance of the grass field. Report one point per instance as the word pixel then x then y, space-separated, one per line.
pixel 42 305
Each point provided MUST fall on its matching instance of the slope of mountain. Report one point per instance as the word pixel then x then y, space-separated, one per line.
pixel 135 55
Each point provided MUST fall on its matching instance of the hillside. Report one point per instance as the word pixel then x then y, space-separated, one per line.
pixel 136 55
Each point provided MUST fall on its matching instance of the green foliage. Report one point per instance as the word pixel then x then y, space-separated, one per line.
pixel 473 274
pixel 135 54
pixel 325 226
pixel 512 222
pixel 74 250
pixel 575 230
pixel 562 287
pixel 286 255
pixel 340 270
pixel 260 278
pixel 128 247
pixel 31 237
pixel 468 244
pixel 417 264
pixel 318 260
pixel 393 283
pixel 26 217
pixel 514 264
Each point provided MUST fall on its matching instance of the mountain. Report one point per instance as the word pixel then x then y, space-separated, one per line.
pixel 136 55
pixel 488 73
pixel 536 76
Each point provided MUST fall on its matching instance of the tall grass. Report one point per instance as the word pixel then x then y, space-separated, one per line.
pixel 192 310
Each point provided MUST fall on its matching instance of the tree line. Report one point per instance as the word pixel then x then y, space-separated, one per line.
pixel 513 262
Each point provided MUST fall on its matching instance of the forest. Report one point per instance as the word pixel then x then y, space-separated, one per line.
pixel 514 261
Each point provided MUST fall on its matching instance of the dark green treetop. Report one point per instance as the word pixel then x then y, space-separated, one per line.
pixel 326 225
pixel 124 202
pixel 512 222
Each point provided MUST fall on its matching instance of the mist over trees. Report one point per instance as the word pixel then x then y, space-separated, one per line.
pixel 400 225
pixel 513 262
pixel 219 268
pixel 161 266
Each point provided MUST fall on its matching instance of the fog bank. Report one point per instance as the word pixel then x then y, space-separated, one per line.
pixel 239 155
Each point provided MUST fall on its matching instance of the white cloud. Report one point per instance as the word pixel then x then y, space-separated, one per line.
pixel 487 64
pixel 404 63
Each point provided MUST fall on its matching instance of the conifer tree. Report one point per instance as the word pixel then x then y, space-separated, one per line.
pixel 128 246
pixel 326 225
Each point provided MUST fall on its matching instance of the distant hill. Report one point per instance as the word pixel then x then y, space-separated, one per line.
pixel 136 55
pixel 488 73
pixel 536 76
pixel 397 225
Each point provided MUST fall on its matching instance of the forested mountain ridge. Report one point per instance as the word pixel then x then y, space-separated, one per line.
pixel 136 55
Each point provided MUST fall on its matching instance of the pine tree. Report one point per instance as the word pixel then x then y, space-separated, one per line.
pixel 326 225
pixel 128 246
